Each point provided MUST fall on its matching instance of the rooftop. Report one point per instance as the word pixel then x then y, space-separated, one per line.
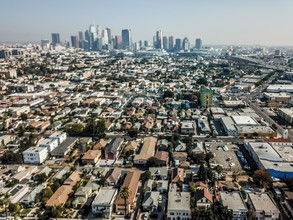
pixel 233 200
pixel 178 200
pixel 262 202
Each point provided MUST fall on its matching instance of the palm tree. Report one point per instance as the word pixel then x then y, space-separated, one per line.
pixel 124 194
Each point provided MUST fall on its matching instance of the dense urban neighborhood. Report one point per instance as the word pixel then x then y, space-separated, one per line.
pixel 200 133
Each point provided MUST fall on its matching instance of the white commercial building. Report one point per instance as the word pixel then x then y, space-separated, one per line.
pixel 102 205
pixel 280 88
pixel 229 126
pixel 286 114
pixel 178 204
pixel 35 155
pixel 263 206
pixel 50 144
pixel 235 203
pixel 59 135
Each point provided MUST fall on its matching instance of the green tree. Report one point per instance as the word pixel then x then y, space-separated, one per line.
pixel 14 208
pixel 102 180
pixel 148 175
pixel 153 162
pixel 124 194
pixel 262 178
pixel 75 129
pixel 132 132
pixel 202 173
pixel 41 178
pixel 219 170
pixel 56 211
pixel 23 117
pixel 192 187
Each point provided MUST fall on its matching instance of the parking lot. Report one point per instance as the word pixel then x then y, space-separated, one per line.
pixel 225 155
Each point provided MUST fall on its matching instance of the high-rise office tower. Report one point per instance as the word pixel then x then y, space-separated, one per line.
pixel 80 36
pixel 126 39
pixel 55 38
pixel 74 41
pixel 141 44
pixel 99 31
pixel 185 44
pixel 146 43
pixel 178 44
pixel 159 40
pixel 171 43
pixel 198 43
pixel 109 33
pixel 165 43
pixel 104 37
pixel 118 42
pixel 92 35
pixel 87 35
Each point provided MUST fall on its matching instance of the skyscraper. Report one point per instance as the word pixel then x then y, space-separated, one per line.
pixel 92 35
pixel 171 43
pixel 165 43
pixel 109 33
pixel 159 40
pixel 74 41
pixel 185 44
pixel 80 36
pixel 198 43
pixel 118 42
pixel 126 39
pixel 178 44
pixel 55 38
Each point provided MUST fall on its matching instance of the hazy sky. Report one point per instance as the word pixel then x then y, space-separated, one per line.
pixel 265 22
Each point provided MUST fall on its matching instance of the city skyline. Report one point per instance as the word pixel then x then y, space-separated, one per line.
pixel 225 22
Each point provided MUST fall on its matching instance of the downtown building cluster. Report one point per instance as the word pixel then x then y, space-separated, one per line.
pixel 97 39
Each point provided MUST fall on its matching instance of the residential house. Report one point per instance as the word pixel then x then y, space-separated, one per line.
pixel 163 144
pixel 114 177
pixel 17 192
pixel 150 201
pixel 163 157
pixel 25 174
pixel 29 200
pixel 132 181
pixel 81 197
pixel 147 151
pixel 112 148
pixel 60 174
pixel 178 176
pixel 60 197
pixel 91 157
pixel 131 145
pixel 101 144
pixel 73 179
pixel 160 185
pixel 159 173
pixel 102 205
pixel 203 197
pixel 180 156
